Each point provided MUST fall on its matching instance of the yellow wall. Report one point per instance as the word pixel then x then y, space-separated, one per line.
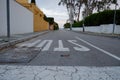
pixel 39 23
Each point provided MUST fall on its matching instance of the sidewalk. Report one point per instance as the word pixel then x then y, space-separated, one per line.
pixel 58 73
pixel 100 34
pixel 14 39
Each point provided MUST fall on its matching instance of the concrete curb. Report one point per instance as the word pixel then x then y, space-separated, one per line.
pixel 19 40
pixel 100 34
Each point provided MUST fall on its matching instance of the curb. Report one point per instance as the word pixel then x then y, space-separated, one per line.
pixel 13 42
pixel 100 34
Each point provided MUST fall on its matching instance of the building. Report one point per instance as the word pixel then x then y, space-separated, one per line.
pixel 24 17
pixel 21 19
pixel 39 23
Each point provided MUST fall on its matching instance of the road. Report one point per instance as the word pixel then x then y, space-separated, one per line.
pixel 68 48
pixel 62 55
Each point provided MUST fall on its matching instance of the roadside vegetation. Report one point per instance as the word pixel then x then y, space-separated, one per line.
pixel 51 21
pixel 86 8
pixel 96 19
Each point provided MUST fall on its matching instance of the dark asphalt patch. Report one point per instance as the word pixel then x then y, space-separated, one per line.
pixel 18 55
pixel 65 55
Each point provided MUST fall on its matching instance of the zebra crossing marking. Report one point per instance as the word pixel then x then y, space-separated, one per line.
pixel 46 44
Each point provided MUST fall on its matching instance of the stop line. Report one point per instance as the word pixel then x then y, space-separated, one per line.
pixel 46 44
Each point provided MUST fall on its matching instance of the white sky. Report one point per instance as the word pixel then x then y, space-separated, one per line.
pixel 52 9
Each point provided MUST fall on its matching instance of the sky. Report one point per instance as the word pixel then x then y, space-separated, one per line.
pixel 51 9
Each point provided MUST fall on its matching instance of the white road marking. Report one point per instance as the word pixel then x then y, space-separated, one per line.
pixel 61 47
pixel 30 44
pixel 106 52
pixel 80 48
pixel 47 46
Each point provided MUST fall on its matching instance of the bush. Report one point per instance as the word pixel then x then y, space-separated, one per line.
pixel 105 17
pixel 56 27
pixel 67 25
pixel 78 24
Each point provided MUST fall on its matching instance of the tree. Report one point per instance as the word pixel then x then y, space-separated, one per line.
pixel 69 4
pixel 78 6
pixel 104 4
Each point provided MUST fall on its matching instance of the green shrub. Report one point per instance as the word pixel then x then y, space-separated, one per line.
pixel 67 25
pixel 56 26
pixel 105 17
pixel 78 24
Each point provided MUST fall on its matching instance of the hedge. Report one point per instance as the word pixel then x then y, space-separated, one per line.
pixel 96 19
pixel 67 25
pixel 105 17
pixel 78 24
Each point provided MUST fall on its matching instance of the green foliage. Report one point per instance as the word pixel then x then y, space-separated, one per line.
pixel 56 26
pixel 118 17
pixel 67 25
pixel 50 20
pixel 105 17
pixel 78 24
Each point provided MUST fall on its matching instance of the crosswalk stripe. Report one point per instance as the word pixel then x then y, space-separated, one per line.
pixel 30 44
pixel 47 45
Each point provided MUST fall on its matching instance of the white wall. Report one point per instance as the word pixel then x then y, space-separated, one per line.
pixel 3 18
pixel 101 29
pixel 21 19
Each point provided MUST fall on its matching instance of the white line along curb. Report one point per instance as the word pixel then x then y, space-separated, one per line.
pixel 106 52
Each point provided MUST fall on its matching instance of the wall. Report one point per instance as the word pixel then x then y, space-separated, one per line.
pixel 101 29
pixel 39 23
pixel 21 19
pixel 3 18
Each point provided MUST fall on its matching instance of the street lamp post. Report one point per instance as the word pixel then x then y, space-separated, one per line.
pixel 114 19
pixel 71 16
pixel 8 18
pixel 83 14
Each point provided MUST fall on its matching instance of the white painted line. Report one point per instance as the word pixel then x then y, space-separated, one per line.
pixel 80 48
pixel 49 42
pixel 106 52
pixel 41 44
pixel 45 45
pixel 29 44
pixel 34 43
pixel 61 47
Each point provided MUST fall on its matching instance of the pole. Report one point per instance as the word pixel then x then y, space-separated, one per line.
pixel 71 16
pixel 114 21
pixel 83 14
pixel 8 18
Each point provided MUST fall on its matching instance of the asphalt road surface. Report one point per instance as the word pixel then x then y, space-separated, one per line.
pixel 68 48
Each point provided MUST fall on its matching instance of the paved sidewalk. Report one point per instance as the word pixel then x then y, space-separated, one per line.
pixel 58 73
pixel 100 34
pixel 14 39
